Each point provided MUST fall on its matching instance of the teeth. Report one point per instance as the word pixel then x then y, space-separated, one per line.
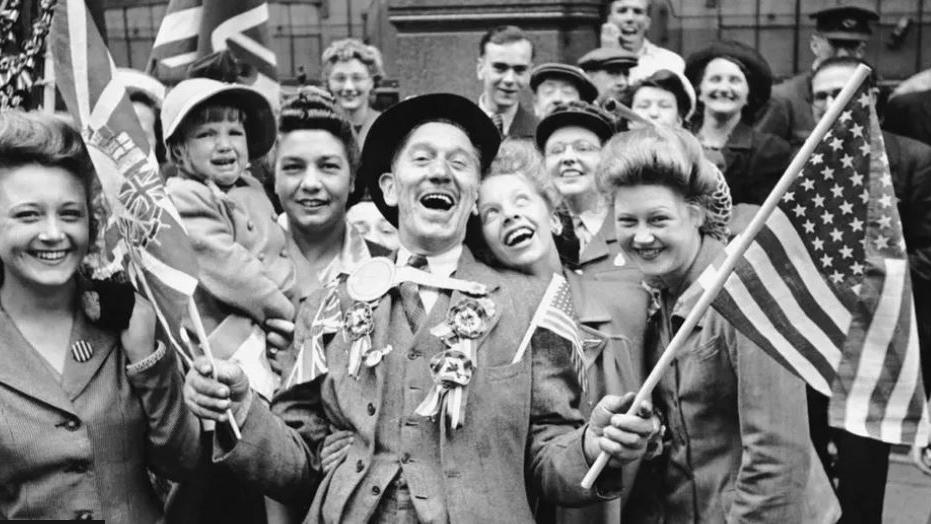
pixel 50 255
pixel 648 253
pixel 518 235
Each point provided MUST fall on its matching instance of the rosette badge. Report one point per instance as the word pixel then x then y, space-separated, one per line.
pixel 358 323
pixel 469 318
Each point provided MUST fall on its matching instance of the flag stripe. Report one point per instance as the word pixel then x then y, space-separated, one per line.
pixel 800 333
pixel 178 25
pixel 759 328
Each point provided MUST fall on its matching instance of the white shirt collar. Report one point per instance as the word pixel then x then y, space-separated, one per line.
pixel 443 264
pixel 593 219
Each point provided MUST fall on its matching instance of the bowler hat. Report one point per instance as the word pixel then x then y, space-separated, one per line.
pixel 759 75
pixel 392 127
pixel 603 57
pixel 845 23
pixel 579 114
pixel 573 74
pixel 185 97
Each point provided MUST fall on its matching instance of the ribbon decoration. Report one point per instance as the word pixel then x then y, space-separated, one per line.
pixel 372 357
pixel 452 371
pixel 359 323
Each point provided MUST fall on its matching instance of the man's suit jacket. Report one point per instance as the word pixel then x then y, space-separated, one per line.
pixel 910 115
pixel 524 124
pixel 521 423
pixel 787 114
pixel 79 446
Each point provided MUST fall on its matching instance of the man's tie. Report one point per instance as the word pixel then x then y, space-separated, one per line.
pixel 582 233
pixel 410 295
pixel 499 122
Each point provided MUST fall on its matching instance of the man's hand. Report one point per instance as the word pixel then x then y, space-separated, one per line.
pixel 279 333
pixel 209 397
pixel 610 35
pixel 623 437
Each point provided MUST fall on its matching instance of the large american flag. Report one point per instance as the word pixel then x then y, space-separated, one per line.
pixel 557 314
pixel 824 288
pixel 144 230
pixel 193 29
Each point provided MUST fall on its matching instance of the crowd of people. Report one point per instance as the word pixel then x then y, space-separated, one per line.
pixel 384 293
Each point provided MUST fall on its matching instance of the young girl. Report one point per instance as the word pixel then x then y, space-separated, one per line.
pixel 212 131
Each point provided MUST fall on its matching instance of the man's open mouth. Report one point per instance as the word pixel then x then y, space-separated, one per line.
pixel 438 201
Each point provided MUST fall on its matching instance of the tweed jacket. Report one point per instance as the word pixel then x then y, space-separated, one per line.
pixel 788 114
pixel 524 124
pixel 522 429
pixel 246 275
pixel 737 445
pixel 78 446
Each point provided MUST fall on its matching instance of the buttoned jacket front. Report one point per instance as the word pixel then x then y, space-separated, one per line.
pixel 521 426
pixel 79 447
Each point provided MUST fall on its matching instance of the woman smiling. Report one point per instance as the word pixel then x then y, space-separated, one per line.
pixel 88 399
pixel 737 445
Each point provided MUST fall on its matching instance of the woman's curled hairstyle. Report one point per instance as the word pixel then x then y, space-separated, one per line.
pixel 50 141
pixel 659 155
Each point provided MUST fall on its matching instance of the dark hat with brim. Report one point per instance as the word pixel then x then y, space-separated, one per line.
pixel 604 57
pixel 759 75
pixel 572 74
pixel 578 114
pixel 845 23
pixel 393 126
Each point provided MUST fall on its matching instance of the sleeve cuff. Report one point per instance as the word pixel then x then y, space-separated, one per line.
pixel 149 361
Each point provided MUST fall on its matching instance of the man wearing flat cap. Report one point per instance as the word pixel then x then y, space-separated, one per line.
pixel 839 31
pixel 553 83
pixel 609 69
pixel 422 359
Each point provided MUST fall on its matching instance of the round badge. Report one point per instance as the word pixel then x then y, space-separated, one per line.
pixel 371 280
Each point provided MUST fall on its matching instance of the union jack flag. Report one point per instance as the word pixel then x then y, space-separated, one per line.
pixel 310 364
pixel 193 29
pixel 824 288
pixel 144 230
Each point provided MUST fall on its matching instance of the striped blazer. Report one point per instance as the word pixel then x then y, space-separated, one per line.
pixel 77 446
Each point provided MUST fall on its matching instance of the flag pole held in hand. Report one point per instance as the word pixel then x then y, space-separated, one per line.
pixel 735 251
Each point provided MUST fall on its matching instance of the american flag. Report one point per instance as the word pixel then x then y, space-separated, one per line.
pixel 144 230
pixel 824 287
pixel 557 314
pixel 193 29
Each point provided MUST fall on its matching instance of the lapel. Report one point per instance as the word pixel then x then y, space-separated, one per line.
pixel 76 375
pixel 599 247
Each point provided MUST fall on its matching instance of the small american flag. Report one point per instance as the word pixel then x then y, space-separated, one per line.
pixel 824 287
pixel 557 314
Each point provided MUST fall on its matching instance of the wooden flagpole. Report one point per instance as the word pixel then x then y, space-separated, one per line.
pixel 202 335
pixel 735 251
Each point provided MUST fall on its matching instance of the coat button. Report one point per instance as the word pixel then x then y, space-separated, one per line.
pixel 405 458
pixel 261 257
pixel 376 490
pixel 84 515
pixel 284 253
pixel 413 354
pixel 250 226
pixel 371 408
pixel 72 424
pixel 360 466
